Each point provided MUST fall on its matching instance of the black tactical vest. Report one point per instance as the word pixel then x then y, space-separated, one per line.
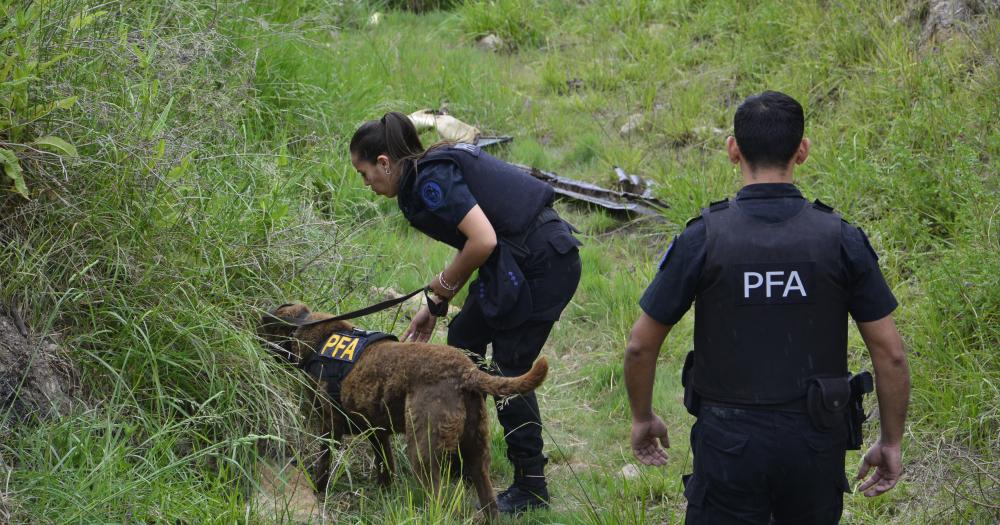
pixel 510 198
pixel 771 307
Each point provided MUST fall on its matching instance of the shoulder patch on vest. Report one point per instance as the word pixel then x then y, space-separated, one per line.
pixel 431 194
pixel 822 206
pixel 719 205
pixel 468 148
pixel 666 254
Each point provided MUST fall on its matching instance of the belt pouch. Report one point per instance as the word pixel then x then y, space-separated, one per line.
pixel 826 401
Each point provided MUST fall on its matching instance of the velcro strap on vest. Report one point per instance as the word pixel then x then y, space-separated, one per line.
pixel 471 149
pixel 822 206
pixel 719 205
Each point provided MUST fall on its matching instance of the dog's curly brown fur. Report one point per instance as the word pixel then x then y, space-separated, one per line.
pixel 432 393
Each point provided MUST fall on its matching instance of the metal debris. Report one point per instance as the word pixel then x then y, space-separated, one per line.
pixel 485 142
pixel 623 203
pixel 633 196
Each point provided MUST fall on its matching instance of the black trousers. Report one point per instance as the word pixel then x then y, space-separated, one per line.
pixel 758 466
pixel 552 271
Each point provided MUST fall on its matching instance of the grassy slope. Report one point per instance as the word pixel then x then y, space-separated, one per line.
pixel 153 282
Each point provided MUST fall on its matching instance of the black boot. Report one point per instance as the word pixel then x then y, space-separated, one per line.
pixel 529 491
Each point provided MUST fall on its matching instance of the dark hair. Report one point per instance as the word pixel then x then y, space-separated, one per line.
pixel 768 129
pixel 393 135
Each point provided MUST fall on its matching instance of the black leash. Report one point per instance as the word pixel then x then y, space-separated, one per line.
pixel 437 309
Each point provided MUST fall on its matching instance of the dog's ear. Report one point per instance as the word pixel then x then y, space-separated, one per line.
pixel 297 311
pixel 281 338
pixel 277 330
pixel 272 326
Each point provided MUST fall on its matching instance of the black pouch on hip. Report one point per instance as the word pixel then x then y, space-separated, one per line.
pixel 501 289
pixel 827 399
pixel 692 401
pixel 861 384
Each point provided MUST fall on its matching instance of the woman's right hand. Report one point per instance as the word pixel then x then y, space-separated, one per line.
pixel 421 327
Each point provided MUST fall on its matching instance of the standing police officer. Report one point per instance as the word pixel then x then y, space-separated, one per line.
pixel 501 221
pixel 773 278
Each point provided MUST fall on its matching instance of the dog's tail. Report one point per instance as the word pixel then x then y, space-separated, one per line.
pixel 479 381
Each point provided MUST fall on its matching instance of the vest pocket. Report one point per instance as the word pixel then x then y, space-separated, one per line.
pixel 564 243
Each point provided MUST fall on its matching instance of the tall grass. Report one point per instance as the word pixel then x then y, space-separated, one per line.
pixel 150 256
pixel 210 180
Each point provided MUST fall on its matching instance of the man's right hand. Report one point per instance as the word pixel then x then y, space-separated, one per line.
pixel 647 437
pixel 888 463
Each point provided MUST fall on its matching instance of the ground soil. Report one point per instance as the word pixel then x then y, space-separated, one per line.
pixel 37 379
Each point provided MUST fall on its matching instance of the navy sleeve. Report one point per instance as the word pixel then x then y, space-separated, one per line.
pixel 672 291
pixel 870 296
pixel 443 191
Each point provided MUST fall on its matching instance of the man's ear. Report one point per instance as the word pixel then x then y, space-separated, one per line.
pixel 733 150
pixel 803 152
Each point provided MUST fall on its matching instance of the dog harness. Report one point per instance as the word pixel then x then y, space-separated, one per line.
pixel 335 358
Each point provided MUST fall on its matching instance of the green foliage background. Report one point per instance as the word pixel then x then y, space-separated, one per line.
pixel 200 174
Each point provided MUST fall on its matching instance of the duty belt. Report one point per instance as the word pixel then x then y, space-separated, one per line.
pixel 518 242
pixel 797 405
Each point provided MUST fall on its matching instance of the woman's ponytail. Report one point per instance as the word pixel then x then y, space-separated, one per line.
pixel 393 135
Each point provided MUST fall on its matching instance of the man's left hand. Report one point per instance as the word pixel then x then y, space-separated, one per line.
pixel 888 463
pixel 647 438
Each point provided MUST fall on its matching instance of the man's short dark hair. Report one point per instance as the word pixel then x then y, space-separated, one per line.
pixel 768 129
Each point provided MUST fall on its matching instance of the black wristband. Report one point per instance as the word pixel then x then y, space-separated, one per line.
pixel 436 309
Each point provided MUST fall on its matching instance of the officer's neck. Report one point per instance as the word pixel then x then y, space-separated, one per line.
pixel 766 175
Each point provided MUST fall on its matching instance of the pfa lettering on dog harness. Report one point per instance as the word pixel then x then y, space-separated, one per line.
pixel 336 357
pixel 345 346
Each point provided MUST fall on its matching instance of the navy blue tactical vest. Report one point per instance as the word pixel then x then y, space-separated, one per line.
pixel 771 308
pixel 510 198
pixel 336 356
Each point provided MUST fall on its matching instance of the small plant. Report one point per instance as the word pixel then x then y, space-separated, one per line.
pixel 20 112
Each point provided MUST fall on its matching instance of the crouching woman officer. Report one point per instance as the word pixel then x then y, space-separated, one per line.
pixel 501 221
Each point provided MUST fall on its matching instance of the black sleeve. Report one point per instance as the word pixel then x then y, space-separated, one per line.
pixel 870 296
pixel 672 291
pixel 443 191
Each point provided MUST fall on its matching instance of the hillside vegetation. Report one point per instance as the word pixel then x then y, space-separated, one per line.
pixel 171 169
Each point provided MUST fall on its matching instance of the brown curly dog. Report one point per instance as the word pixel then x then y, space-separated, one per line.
pixel 431 393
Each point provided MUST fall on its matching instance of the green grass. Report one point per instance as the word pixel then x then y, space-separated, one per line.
pixel 212 180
